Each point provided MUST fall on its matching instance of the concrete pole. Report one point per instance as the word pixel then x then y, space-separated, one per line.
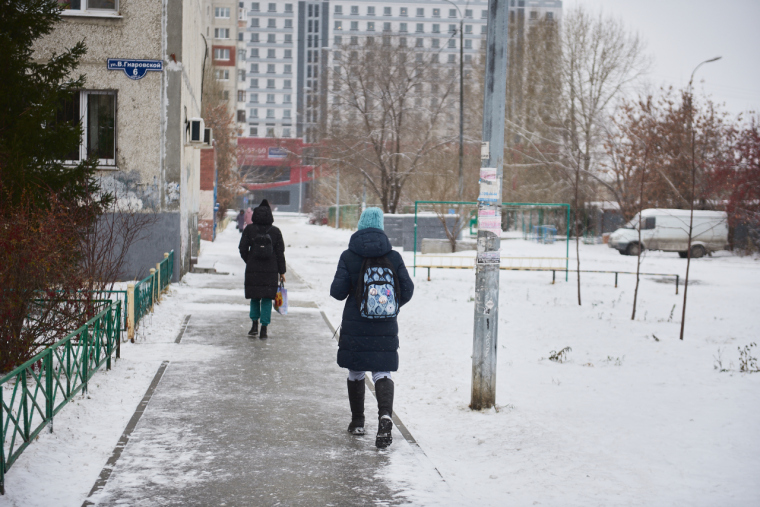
pixel 486 326
pixel 131 311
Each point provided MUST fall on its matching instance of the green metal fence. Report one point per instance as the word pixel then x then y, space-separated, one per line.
pixel 148 290
pixel 32 394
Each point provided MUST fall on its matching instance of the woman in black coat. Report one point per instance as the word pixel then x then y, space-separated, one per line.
pixel 369 344
pixel 262 272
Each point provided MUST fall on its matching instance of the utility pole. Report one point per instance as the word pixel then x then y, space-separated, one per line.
pixel 486 327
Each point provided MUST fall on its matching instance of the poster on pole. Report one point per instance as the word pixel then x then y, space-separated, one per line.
pixel 490 188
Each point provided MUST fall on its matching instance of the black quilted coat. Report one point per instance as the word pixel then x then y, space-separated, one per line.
pixel 367 344
pixel 262 276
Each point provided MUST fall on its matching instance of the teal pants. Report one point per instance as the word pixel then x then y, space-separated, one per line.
pixel 261 308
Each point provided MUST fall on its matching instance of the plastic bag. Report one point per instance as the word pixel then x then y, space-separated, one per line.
pixel 281 300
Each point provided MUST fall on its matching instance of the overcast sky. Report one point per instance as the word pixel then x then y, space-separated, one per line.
pixel 682 33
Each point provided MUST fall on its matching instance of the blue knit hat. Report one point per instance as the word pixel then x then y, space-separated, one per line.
pixel 371 217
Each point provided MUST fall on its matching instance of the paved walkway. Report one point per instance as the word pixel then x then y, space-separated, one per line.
pixel 258 422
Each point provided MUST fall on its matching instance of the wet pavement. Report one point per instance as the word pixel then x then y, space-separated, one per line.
pixel 258 422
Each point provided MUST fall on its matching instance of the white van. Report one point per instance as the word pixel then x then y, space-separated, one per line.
pixel 668 230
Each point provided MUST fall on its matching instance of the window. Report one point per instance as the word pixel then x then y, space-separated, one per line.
pixel 241 116
pixel 272 23
pixel 467 28
pixel 270 68
pixel 254 22
pixel 241 55
pixel 270 83
pixel 370 11
pixel 254 84
pixel 468 13
pixel 336 55
pixel 468 44
pixel 221 54
pixel 222 12
pixel 452 43
pixel 254 98
pixel 241 96
pixel 254 131
pixel 286 113
pixel 386 11
pixel 254 37
pixel 286 130
pixel 338 9
pixel 271 38
pixel 288 69
pixel 87 5
pixel 338 25
pixel 420 43
pixel 254 113
pixel 354 40
pixel 338 40
pixel 421 13
pixel 402 43
pixel 271 53
pixel 371 26
pixel 241 75
pixel 549 16
pixel 386 27
pixel 270 113
pixel 436 28
pixel 254 68
pixel 386 40
pixel 272 7
pixel 402 27
pixel 288 38
pixel 434 58
pixel 649 223
pixel 289 8
pixel 404 11
pixel 483 29
pixel 355 10
pixel 533 14
pixel 354 25
pixel 452 13
pixel 436 13
pixel 240 36
pixel 286 99
pixel 255 6
pixel 452 58
pixel 288 23
pixel 452 28
pixel 288 54
pixel 420 27
pixel 97 110
pixel 222 75
pixel 436 43
pixel 221 33
pixel 270 98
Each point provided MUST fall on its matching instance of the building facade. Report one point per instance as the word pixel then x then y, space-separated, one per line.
pixel 144 73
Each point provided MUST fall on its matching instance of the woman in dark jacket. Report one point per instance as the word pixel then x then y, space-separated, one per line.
pixel 262 272
pixel 369 344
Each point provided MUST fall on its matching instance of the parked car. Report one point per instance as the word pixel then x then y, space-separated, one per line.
pixel 668 230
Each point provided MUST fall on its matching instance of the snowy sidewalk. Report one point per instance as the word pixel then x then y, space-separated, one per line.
pixel 257 422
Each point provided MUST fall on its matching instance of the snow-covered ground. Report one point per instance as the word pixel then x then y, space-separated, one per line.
pixel 627 419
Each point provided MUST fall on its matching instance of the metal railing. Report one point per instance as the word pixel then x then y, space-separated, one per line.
pixel 141 296
pixel 32 394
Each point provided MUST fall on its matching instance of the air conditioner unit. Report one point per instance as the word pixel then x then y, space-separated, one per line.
pixel 196 128
pixel 208 137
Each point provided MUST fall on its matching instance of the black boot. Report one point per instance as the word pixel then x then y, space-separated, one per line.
pixel 254 329
pixel 263 334
pixel 384 394
pixel 356 400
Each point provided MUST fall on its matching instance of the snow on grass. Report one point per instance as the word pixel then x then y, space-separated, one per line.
pixel 633 416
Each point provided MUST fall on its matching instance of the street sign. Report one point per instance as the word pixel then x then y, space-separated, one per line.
pixel 135 69
pixel 275 152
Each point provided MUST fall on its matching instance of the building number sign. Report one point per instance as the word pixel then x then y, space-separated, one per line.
pixel 135 69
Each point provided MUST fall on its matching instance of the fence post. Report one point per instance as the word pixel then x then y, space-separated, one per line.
pixel 152 287
pixel 677 277
pixel 131 311
pixel 169 273
pixel 85 358
pixel 158 284
pixel 49 388
pixel 2 444
pixel 117 332
pixel 109 335
pixel 24 406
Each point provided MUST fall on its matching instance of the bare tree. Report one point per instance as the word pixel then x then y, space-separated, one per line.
pixel 387 103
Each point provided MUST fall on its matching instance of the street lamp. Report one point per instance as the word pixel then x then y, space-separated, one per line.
pixel 461 97
pixel 693 188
